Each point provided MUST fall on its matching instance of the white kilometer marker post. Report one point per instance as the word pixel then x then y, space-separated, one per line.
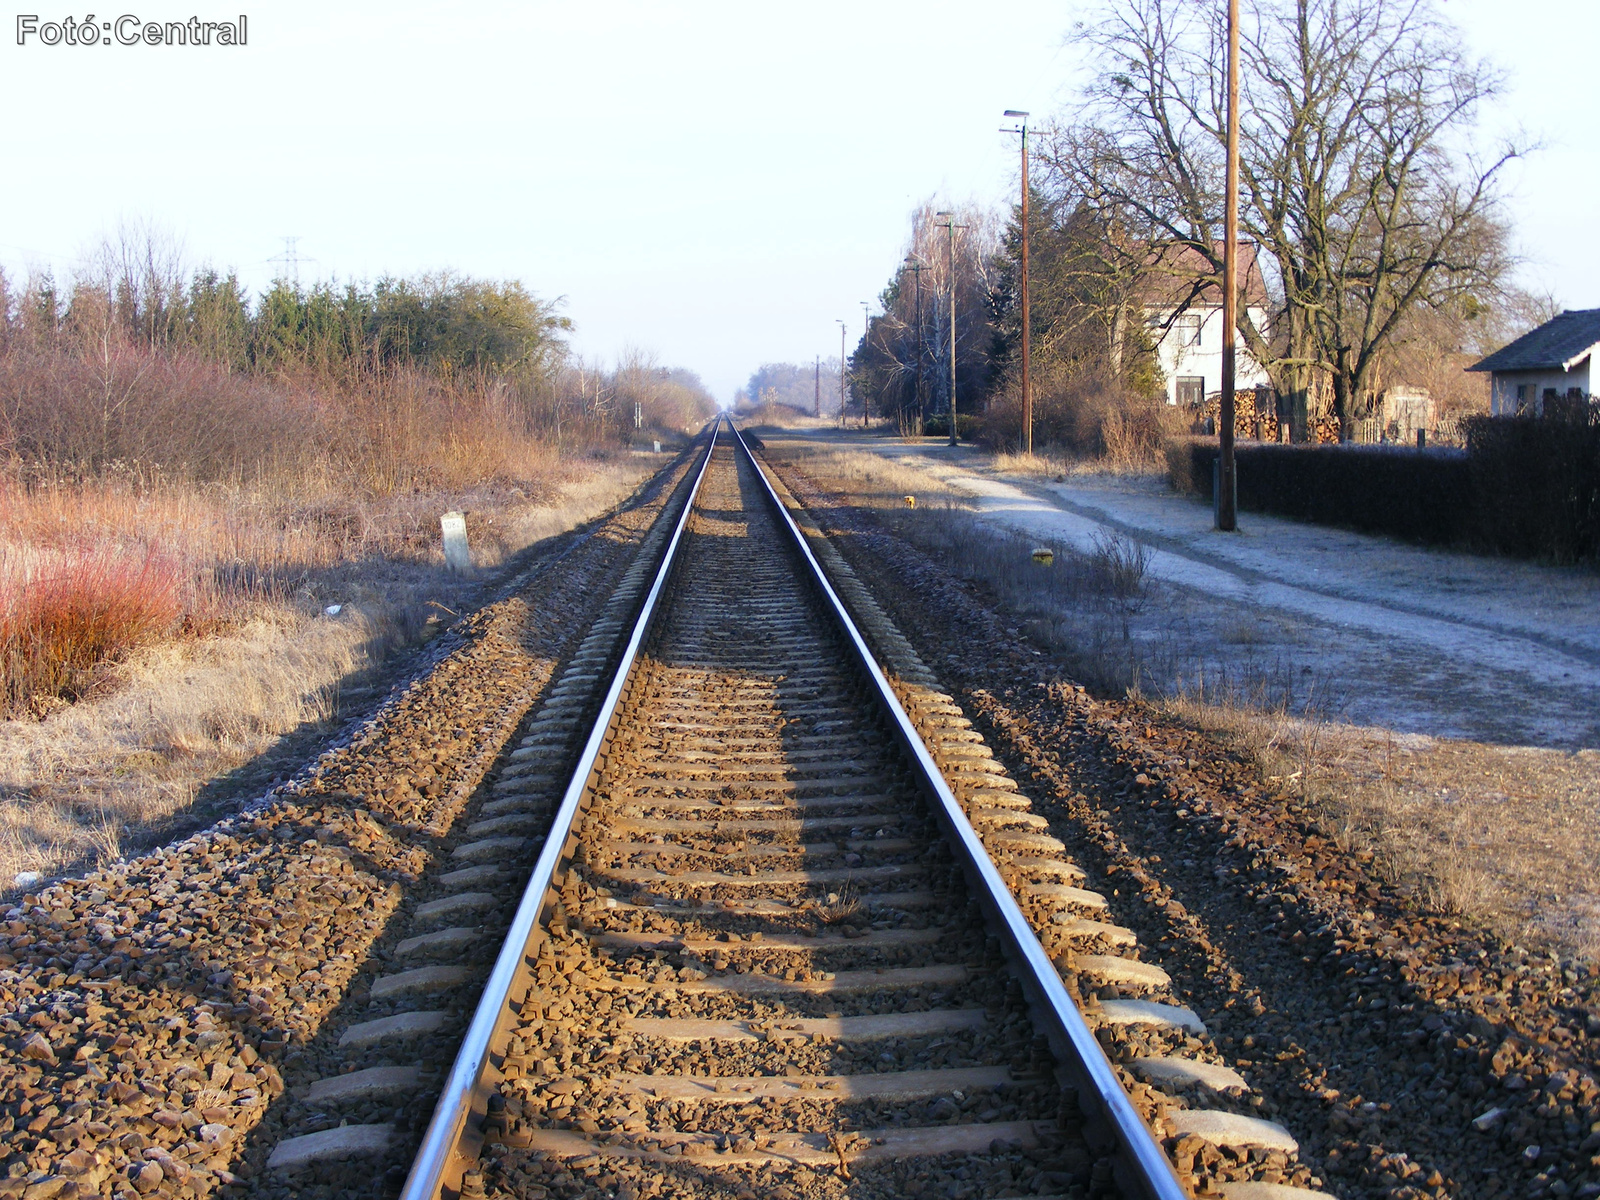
pixel 457 554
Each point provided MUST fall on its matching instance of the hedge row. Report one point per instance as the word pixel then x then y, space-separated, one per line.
pixel 1536 484
pixel 1523 486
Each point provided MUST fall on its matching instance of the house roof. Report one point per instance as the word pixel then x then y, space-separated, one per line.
pixel 1559 344
pixel 1179 274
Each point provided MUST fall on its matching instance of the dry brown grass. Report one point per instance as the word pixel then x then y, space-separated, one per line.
pixel 168 723
pixel 782 416
pixel 1058 466
pixel 844 907
pixel 1503 835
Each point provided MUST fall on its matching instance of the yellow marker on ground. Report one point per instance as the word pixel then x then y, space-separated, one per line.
pixel 1044 556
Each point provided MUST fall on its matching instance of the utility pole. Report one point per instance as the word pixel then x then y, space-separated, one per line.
pixel 1227 502
pixel 1027 315
pixel 950 227
pixel 818 382
pixel 841 372
pixel 917 269
pixel 866 331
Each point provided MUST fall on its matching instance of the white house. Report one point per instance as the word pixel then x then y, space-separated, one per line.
pixel 1552 362
pixel 1184 316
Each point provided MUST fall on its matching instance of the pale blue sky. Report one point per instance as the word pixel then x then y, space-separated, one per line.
pixel 712 182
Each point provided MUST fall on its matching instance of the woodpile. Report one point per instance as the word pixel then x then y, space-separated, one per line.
pixel 1255 415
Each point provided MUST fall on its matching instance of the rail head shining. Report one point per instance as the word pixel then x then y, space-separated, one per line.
pixel 1146 1164
pixel 434 1159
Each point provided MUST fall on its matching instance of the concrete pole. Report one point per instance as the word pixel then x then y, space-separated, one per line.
pixel 1027 312
pixel 950 227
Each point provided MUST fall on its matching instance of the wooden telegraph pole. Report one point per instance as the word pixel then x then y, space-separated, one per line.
pixel 866 331
pixel 1227 501
pixel 841 373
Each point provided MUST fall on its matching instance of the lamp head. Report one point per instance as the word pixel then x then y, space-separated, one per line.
pixel 1013 112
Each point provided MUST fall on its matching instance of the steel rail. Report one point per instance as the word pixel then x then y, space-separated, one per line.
pixel 1146 1170
pixel 438 1155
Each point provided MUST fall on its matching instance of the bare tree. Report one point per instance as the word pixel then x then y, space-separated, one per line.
pixel 1355 179
pixel 883 366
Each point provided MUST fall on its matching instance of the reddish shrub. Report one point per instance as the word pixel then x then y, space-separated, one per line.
pixel 65 616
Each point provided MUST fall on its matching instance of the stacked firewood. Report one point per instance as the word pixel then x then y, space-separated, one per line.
pixel 1250 418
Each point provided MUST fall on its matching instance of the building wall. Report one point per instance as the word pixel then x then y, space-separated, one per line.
pixel 1181 360
pixel 1503 387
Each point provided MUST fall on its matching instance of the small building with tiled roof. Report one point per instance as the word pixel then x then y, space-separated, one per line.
pixel 1554 362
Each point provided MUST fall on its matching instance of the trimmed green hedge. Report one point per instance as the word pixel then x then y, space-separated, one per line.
pixel 1523 487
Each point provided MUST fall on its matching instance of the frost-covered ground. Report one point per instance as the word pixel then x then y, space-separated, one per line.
pixel 1411 638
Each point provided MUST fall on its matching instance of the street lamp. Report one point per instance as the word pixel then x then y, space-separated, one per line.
pixel 950 228
pixel 1027 316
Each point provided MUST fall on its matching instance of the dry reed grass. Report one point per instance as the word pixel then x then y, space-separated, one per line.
pixel 173 729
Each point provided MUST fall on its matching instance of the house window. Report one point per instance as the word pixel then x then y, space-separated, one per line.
pixel 1188 329
pixel 1192 390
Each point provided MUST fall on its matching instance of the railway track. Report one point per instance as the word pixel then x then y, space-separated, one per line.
pixel 784 934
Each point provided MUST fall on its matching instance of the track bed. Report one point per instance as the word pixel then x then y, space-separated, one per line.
pixel 765 970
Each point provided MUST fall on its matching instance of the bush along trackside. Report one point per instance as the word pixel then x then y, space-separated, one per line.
pixel 1523 487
